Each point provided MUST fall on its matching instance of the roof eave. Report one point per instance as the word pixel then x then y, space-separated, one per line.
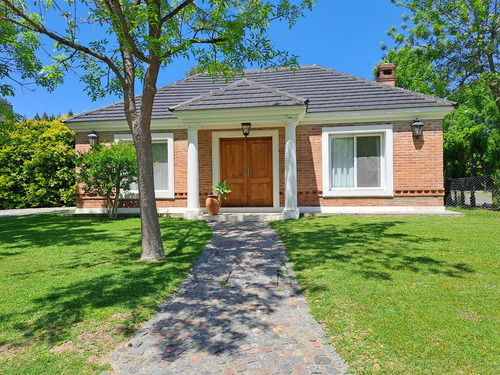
pixel 122 125
pixel 400 114
pixel 209 116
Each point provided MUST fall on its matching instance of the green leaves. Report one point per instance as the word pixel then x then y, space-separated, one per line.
pixel 221 189
pixel 462 37
pixel 18 62
pixel 222 36
pixel 36 164
pixel 470 131
pixel 450 49
pixel 106 170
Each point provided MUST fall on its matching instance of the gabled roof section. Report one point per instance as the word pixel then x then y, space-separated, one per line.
pixel 326 90
pixel 241 94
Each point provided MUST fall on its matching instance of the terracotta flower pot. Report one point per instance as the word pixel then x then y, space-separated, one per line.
pixel 213 204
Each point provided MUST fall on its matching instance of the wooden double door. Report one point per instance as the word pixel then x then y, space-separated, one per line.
pixel 247 167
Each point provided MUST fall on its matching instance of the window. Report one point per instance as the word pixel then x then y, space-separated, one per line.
pixel 357 161
pixel 163 158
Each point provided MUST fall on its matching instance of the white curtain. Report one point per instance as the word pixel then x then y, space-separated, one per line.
pixel 160 158
pixel 342 162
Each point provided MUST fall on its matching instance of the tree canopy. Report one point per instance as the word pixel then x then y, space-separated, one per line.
pixel 114 43
pixel 460 38
pixel 221 36
pixel 450 49
pixel 19 64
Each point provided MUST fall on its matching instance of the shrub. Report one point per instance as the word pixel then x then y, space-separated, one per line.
pixel 107 170
pixel 36 164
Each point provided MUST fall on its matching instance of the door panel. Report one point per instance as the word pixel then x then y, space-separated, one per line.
pixel 260 193
pixel 260 176
pixel 233 160
pixel 246 166
pixel 233 167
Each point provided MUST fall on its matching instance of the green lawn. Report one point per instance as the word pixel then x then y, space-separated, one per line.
pixel 404 295
pixel 72 288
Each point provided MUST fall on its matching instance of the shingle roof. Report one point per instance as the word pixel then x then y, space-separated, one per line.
pixel 241 94
pixel 326 90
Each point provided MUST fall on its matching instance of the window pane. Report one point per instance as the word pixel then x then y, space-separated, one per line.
pixel 368 161
pixel 342 159
pixel 160 158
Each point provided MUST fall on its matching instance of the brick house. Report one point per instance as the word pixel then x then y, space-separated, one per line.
pixel 321 141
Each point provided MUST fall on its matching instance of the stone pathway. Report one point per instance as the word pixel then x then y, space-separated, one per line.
pixel 239 311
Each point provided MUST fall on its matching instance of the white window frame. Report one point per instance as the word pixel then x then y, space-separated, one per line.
pixel 386 160
pixel 156 138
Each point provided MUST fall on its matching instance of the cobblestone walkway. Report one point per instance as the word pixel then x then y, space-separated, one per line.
pixel 238 312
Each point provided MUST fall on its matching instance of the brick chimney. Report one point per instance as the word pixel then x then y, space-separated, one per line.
pixel 386 73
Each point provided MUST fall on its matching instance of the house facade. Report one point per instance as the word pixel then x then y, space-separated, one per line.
pixel 320 141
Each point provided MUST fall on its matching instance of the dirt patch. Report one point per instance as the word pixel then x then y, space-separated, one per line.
pixel 67 346
pixel 473 317
pixel 99 341
pixel 102 340
pixel 12 348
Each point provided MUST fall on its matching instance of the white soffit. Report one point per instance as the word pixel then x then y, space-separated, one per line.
pixel 427 113
pixel 270 115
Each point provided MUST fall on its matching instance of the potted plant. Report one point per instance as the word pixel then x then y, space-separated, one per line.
pixel 213 201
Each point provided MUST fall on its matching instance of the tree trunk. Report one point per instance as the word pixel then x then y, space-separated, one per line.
pixel 116 200
pixel 152 245
pixel 472 182
pixel 462 193
pixel 140 126
pixel 109 206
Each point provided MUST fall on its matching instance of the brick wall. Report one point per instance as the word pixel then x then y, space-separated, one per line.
pixel 205 164
pixel 180 172
pixel 418 167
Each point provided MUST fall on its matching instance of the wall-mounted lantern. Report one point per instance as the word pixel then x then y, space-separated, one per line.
pixel 245 128
pixel 93 138
pixel 418 127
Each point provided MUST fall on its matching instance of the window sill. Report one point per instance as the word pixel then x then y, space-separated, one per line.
pixel 158 195
pixel 348 193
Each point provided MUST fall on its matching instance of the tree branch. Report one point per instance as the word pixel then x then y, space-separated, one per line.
pixel 195 41
pixel 173 13
pixel 115 7
pixel 34 26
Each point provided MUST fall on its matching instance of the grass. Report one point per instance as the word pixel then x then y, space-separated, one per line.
pixel 403 295
pixel 73 288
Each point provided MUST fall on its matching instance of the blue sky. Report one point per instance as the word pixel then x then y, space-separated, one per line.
pixel 343 35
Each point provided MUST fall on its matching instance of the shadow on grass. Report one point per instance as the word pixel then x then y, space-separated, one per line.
pixel 50 229
pixel 108 276
pixel 370 249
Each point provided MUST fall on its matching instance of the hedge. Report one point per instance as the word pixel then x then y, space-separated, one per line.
pixel 37 164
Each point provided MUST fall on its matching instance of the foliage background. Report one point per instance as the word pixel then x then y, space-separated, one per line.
pixel 37 167
pixel 450 49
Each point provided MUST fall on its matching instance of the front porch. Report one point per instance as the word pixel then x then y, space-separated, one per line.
pixel 266 172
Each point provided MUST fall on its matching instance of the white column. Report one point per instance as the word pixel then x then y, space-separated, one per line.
pixel 291 210
pixel 193 181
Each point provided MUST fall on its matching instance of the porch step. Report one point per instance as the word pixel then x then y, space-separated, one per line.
pixel 239 217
